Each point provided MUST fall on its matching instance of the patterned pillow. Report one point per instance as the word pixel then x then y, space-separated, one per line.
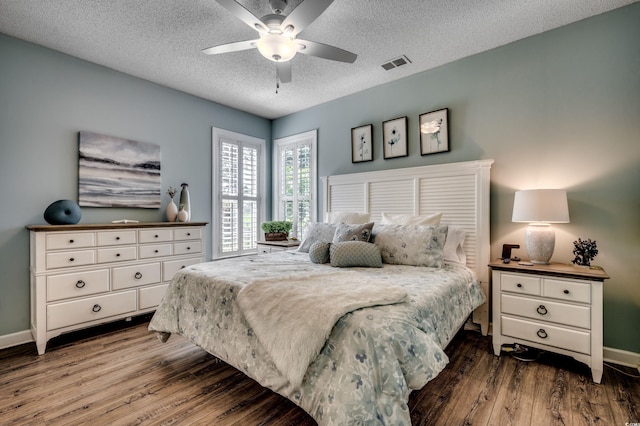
pixel 353 218
pixel 454 246
pixel 317 231
pixel 319 252
pixel 345 232
pixel 411 244
pixel 355 253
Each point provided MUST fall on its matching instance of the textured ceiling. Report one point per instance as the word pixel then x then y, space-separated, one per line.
pixel 161 41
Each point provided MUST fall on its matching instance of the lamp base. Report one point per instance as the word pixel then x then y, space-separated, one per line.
pixel 540 240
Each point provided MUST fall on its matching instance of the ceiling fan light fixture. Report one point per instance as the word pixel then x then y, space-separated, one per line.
pixel 277 47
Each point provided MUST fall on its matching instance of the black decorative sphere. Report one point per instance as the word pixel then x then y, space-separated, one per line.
pixel 63 212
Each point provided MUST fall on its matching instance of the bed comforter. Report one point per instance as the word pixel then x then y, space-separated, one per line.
pixel 374 356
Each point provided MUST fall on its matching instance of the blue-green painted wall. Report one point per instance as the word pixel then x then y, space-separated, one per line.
pixel 557 110
pixel 47 97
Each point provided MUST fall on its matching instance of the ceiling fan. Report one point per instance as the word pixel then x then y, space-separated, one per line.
pixel 278 33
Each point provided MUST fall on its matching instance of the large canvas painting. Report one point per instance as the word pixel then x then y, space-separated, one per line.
pixel 116 172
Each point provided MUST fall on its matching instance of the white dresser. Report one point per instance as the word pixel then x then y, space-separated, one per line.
pixel 84 275
pixel 554 307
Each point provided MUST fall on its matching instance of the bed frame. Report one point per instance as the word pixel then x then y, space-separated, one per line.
pixel 459 190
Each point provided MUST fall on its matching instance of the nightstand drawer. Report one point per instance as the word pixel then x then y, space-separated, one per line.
pixel 75 285
pixel 546 334
pixel 573 291
pixel 93 308
pixel 134 276
pixel 545 310
pixel 523 284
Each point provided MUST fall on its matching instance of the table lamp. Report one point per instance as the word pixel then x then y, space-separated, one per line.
pixel 540 207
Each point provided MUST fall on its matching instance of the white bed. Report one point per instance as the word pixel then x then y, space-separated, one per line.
pixel 359 362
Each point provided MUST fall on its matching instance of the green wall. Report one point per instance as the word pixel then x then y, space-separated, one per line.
pixel 46 98
pixel 557 110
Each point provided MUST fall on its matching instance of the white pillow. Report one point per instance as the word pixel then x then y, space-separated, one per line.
pixel 410 219
pixel 454 246
pixel 351 218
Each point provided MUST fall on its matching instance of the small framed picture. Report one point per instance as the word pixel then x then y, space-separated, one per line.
pixel 434 132
pixel 394 138
pixel 362 143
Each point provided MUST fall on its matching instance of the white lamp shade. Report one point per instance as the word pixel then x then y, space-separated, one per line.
pixel 277 47
pixel 541 205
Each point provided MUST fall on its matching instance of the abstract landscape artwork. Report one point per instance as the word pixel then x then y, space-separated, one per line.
pixel 116 172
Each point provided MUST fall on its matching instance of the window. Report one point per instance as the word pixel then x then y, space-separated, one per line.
pixel 294 180
pixel 238 192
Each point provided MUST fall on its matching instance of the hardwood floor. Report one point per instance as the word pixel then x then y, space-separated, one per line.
pixel 122 375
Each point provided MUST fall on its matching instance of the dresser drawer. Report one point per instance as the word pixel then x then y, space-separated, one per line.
pixel 136 275
pixel 545 310
pixel 117 254
pixel 155 250
pixel 67 259
pixel 79 284
pixel 150 297
pixel 187 234
pixel 65 314
pixel 70 240
pixel 155 235
pixel 573 291
pixel 170 267
pixel 523 284
pixel 187 247
pixel 564 338
pixel 112 238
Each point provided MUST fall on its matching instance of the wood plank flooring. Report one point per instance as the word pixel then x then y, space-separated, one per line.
pixel 121 374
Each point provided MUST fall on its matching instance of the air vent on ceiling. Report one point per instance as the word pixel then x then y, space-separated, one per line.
pixel 395 63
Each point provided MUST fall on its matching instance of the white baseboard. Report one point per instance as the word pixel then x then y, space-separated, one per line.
pixel 15 339
pixel 620 357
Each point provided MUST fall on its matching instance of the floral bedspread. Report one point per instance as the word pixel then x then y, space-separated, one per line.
pixel 374 356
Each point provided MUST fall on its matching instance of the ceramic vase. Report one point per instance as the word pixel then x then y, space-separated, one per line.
pixel 183 216
pixel 171 211
pixel 185 202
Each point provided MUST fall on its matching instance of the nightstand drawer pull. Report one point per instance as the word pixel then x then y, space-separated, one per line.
pixel 96 308
pixel 542 310
pixel 138 275
pixel 80 284
pixel 542 334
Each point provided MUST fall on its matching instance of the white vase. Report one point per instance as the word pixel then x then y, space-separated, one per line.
pixel 171 211
pixel 185 202
pixel 183 216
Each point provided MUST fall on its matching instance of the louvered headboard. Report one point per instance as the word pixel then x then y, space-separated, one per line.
pixel 459 190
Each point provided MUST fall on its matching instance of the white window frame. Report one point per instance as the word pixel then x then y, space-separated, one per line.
pixel 217 135
pixel 310 137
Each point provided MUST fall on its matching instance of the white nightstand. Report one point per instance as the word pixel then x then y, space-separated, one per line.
pixel 555 307
pixel 266 247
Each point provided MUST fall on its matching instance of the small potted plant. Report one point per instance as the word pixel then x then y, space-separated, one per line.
pixel 584 251
pixel 276 230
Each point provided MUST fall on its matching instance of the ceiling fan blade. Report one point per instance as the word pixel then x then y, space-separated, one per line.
pixel 325 51
pixel 244 15
pixel 283 71
pixel 230 47
pixel 304 14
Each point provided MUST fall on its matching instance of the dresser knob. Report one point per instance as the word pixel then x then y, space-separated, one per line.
pixel 80 284
pixel 542 334
pixel 188 248
pixel 117 238
pixel 155 251
pixel 71 241
pixel 566 292
pixel 138 275
pixel 542 310
pixel 117 254
pixel 156 236
pixel 96 308
pixel 188 234
pixel 71 259
pixel 519 285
